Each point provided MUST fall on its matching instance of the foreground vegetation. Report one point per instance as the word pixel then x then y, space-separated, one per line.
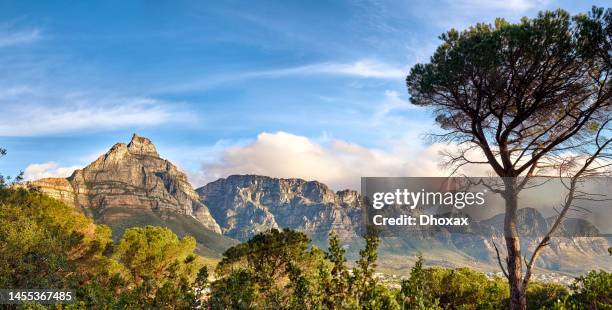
pixel 43 243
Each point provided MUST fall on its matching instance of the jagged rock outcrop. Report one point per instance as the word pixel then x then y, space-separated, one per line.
pixel 245 205
pixel 131 176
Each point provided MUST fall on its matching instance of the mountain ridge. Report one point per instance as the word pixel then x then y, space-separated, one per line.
pixel 130 181
pixel 257 203
pixel 131 185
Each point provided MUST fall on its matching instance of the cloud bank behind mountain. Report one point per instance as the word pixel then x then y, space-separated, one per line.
pixel 337 163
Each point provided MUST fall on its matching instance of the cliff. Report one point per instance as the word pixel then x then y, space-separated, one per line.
pixel 244 205
pixel 129 176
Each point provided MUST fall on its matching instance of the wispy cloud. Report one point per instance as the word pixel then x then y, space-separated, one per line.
pixel 363 68
pixel 11 38
pixel 461 14
pixel 76 114
pixel 392 103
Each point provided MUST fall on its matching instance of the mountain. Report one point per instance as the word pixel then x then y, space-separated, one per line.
pixel 130 185
pixel 531 223
pixel 245 205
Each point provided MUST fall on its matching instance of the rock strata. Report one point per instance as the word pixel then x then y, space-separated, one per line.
pixel 130 176
pixel 245 205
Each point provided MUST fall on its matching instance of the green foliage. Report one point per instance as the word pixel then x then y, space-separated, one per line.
pixel 417 291
pixel 545 295
pixel 467 289
pixel 200 286
pixel 45 243
pixel 210 244
pixel 364 286
pixel 337 286
pixel 533 90
pixel 7 180
pixel 237 290
pixel 280 265
pixel 281 270
pixel 363 282
pixel 593 291
pixel 441 288
pixel 488 56
pixel 154 254
pixel 161 267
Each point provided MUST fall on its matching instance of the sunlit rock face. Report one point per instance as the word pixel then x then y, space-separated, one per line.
pixel 245 205
pixel 130 176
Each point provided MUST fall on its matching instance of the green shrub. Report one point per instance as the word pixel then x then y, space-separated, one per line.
pixel 545 295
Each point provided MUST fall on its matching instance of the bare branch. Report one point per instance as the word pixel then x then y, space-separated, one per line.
pixel 500 262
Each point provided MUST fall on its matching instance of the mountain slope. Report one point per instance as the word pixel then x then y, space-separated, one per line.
pixel 131 185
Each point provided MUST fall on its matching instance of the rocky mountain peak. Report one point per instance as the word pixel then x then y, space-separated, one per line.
pixel 244 205
pixel 142 146
pixel 130 176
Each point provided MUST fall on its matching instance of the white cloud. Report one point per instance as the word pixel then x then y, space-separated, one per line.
pixel 78 113
pixel 337 163
pixel 47 170
pixel 10 38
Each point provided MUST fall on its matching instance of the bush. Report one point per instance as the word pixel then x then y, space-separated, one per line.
pixel 592 291
pixel 545 295
pixel 45 243
pixel 464 288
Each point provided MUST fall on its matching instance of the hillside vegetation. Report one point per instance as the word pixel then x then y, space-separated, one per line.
pixel 44 243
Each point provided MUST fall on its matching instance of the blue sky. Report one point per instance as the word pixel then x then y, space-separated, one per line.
pixel 311 89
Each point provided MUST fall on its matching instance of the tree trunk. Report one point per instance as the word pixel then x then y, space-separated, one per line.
pixel 518 299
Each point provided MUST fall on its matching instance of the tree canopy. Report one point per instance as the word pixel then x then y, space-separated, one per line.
pixel 45 243
pixel 526 99
pixel 521 93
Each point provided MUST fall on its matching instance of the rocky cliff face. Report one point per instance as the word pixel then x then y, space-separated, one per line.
pixel 131 176
pixel 245 205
